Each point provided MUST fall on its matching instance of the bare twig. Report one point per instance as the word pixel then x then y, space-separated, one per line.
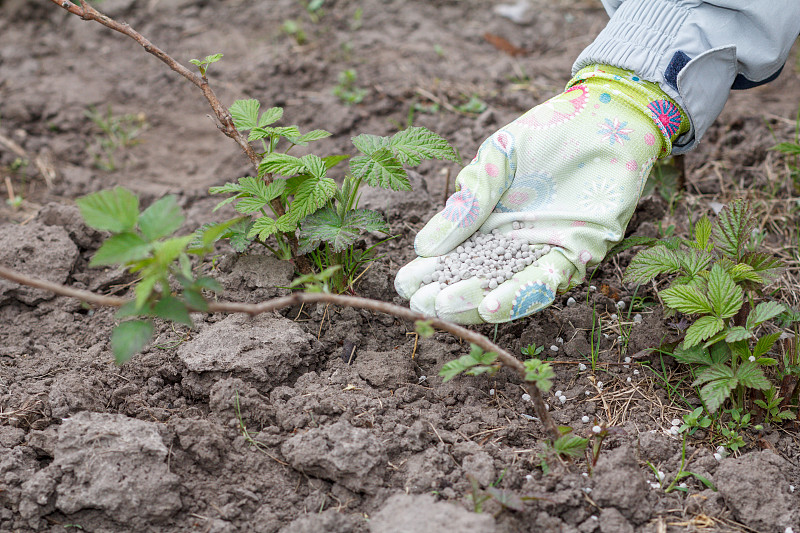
pixel 226 126
pixel 298 298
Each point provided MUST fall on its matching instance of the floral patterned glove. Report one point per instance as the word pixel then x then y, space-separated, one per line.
pixel 567 174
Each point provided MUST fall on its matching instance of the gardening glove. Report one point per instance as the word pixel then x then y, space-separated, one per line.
pixel 566 175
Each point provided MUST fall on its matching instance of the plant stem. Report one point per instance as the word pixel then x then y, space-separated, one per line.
pixel 297 298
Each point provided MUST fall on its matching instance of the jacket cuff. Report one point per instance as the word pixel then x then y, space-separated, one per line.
pixel 659 42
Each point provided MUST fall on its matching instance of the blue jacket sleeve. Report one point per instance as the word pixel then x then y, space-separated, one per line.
pixel 697 50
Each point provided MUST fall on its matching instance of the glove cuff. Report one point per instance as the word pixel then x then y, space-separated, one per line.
pixel 644 96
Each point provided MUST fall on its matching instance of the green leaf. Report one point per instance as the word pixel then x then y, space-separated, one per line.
pixel 315 165
pixel 120 249
pixel 702 233
pixel 169 250
pixel 726 297
pixel 327 226
pixel 686 299
pixel 263 227
pixel 715 372
pixel 271 115
pixel 737 333
pixel 171 308
pixel 744 272
pixel 750 375
pixel 310 196
pixel 698 355
pixel 282 164
pixel 129 338
pixel 114 210
pixel 424 328
pixel 260 132
pixel 245 114
pixel 238 238
pixel 143 290
pixel 788 148
pixel 694 261
pixel 381 169
pixel 630 242
pixel 162 218
pixel 313 135
pixel 765 343
pixel 570 445
pixel 333 160
pixel 733 229
pixel 703 328
pixel 539 373
pixel 649 263
pixel 475 357
pixel 763 312
pixel 719 382
pixel 415 144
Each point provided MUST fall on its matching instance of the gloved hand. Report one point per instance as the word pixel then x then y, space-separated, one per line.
pixel 567 174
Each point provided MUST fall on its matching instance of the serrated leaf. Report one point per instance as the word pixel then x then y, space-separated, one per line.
pixel 744 272
pixel 703 328
pixel 130 337
pixel 315 166
pixel 263 227
pixel 333 160
pixel 367 144
pixel 282 164
pixel 630 242
pixel 750 375
pixel 169 250
pixel 719 382
pixel 767 266
pixel 765 343
pixel 162 218
pixel 649 263
pixel 763 312
pixel 225 189
pixel 686 299
pixel 714 372
pixel 143 290
pixel 698 355
pixel 415 144
pixel 115 210
pixel 310 196
pixel 725 296
pixel 271 115
pixel 702 233
pixel 733 229
pixel 173 309
pixel 327 226
pixel 381 169
pixel 120 249
pixel 311 136
pixel 693 261
pixel 260 132
pixel 245 114
pixel 570 445
pixel 287 223
pixel 737 333
pixel 249 204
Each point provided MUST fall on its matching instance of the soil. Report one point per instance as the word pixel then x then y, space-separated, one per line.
pixel 167 442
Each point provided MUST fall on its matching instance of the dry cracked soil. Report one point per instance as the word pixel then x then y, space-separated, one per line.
pixel 380 444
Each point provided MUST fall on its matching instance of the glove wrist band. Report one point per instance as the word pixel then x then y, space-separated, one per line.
pixel 643 96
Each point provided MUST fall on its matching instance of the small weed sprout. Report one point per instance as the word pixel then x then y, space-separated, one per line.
pixel 346 90
pixel 532 350
pixel 203 64
pixel 116 132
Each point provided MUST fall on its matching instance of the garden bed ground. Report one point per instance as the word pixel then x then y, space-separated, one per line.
pixel 380 444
